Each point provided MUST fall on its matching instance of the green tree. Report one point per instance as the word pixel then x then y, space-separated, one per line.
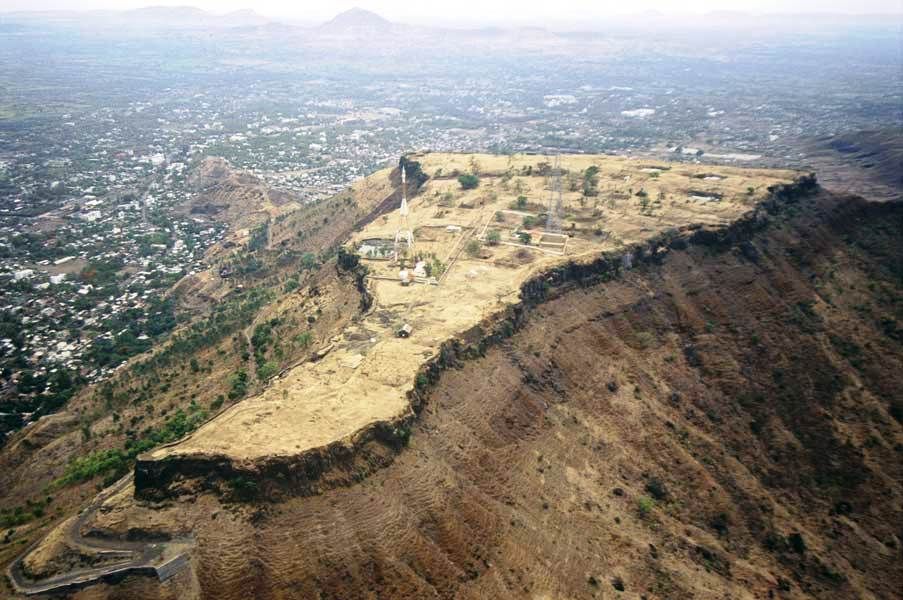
pixel 238 384
pixel 591 181
pixel 290 285
pixel 259 237
pixel 494 237
pixel 267 371
pixel 468 182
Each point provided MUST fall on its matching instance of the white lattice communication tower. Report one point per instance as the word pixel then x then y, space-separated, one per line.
pixel 553 220
pixel 404 237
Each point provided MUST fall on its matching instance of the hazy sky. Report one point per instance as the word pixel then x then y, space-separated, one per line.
pixel 476 10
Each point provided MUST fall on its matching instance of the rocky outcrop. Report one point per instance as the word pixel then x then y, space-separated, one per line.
pixel 343 462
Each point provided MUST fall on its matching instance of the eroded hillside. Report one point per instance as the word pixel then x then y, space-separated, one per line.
pixel 717 414
pixel 723 420
pixel 866 163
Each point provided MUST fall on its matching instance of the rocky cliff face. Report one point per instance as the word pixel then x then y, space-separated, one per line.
pixel 720 419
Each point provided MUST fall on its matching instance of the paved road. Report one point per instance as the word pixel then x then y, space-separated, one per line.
pixel 136 558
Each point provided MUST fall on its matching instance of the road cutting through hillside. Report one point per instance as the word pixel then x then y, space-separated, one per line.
pixel 163 558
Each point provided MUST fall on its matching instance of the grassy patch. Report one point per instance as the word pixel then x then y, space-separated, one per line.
pixel 645 504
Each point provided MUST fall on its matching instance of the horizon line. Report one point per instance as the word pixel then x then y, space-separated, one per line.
pixel 639 13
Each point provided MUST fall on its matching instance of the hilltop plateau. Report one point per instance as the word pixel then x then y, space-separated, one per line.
pixel 692 390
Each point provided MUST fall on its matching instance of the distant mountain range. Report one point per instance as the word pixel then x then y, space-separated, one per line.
pixel 360 23
pixel 180 17
pixel 357 18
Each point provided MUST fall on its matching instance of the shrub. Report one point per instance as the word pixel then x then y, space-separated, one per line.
pixel 403 434
pixel 797 543
pixel 591 181
pixel 267 371
pixel 720 523
pixel 347 261
pixel 13 517
pixel 473 247
pixel 304 339
pixel 93 464
pixel 645 339
pixel 656 488
pixel 290 285
pixel 645 504
pixel 238 384
pixel 494 237
pixel 259 237
pixel 243 488
pixel 308 261
pixel 468 182
pixel 524 237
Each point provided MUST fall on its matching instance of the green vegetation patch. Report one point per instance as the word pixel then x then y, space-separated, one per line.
pixel 115 462
pixel 13 517
pixel 468 182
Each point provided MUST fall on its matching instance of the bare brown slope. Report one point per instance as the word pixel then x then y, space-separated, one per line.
pixel 867 162
pixel 722 424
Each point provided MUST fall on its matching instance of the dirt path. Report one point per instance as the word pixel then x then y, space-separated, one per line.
pixel 252 369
